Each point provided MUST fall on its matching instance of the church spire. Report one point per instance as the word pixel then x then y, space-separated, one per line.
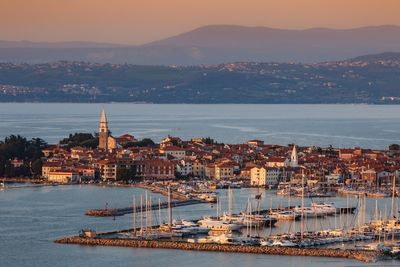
pixel 294 162
pixel 103 118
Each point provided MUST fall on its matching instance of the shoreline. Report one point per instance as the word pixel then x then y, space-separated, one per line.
pixel 360 255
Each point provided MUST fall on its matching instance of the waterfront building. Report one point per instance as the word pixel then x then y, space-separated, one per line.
pixel 63 177
pixel 48 167
pixel 107 169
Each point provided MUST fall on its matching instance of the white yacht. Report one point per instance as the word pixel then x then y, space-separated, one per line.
pixel 219 225
pixel 310 212
pixel 285 215
pixel 327 208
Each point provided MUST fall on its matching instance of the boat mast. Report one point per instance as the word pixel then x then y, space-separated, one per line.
pixel 393 216
pixel 134 214
pixel 217 207
pixel 151 214
pixel 250 217
pixel 141 213
pixel 169 208
pixel 159 211
pixel 302 206
pixel 147 212
pixel 229 201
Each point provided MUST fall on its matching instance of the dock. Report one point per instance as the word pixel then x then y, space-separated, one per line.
pixel 129 210
pixel 361 255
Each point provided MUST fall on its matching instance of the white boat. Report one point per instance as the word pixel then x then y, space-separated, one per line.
pixel 327 208
pixel 310 212
pixel 209 197
pixel 222 239
pixel 285 215
pixel 372 246
pixel 219 225
pixel 283 243
pixel 188 228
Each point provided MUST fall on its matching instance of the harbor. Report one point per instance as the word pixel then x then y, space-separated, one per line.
pixel 253 229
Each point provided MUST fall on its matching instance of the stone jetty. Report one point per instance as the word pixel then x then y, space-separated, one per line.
pixel 123 211
pixel 361 255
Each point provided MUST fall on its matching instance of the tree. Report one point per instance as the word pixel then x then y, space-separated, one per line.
pixel 146 142
pixel 81 139
pixel 15 146
pixel 37 167
pixel 394 147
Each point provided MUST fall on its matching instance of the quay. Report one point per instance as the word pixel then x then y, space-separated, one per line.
pixel 361 255
pixel 180 203
pixel 123 211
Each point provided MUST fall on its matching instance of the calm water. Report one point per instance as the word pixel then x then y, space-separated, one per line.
pixel 340 125
pixel 31 218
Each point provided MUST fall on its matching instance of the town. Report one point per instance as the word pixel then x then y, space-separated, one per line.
pixel 322 170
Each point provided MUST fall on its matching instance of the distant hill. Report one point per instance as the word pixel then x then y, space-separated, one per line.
pixel 217 44
pixel 367 79
pixel 378 57
pixel 57 45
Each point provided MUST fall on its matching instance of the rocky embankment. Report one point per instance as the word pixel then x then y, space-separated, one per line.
pixel 365 256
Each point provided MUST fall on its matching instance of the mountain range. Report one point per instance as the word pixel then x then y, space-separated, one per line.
pixel 216 44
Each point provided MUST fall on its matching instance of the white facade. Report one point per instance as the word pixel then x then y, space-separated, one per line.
pixel 184 168
pixel 264 176
pixel 294 161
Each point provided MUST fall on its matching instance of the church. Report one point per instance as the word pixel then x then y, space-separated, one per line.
pixel 106 141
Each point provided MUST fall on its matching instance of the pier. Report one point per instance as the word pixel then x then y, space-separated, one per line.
pixel 361 255
pixel 128 210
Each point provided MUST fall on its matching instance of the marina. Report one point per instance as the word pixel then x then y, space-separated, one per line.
pixel 241 232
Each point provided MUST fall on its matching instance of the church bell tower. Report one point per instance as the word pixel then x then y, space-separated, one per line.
pixel 103 132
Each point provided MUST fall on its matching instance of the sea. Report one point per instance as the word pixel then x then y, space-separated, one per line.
pixel 370 126
pixel 31 218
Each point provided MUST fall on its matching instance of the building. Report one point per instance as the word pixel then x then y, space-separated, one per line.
pixel 158 169
pixel 63 177
pixel 199 169
pixel 106 141
pixel 174 151
pixel 107 169
pixel 184 168
pixel 264 176
pixel 48 167
pixel 294 161
pixel 255 143
pixel 277 162
pixel 224 171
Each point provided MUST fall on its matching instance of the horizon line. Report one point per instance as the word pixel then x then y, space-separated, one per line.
pixel 195 29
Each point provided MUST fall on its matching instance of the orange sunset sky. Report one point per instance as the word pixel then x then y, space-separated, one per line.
pixel 141 21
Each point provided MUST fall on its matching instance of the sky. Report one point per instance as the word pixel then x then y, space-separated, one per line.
pixel 141 21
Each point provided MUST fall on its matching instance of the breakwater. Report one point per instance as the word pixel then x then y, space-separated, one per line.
pixel 123 211
pixel 361 255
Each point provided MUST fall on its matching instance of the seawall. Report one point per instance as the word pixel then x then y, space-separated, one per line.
pixel 365 256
